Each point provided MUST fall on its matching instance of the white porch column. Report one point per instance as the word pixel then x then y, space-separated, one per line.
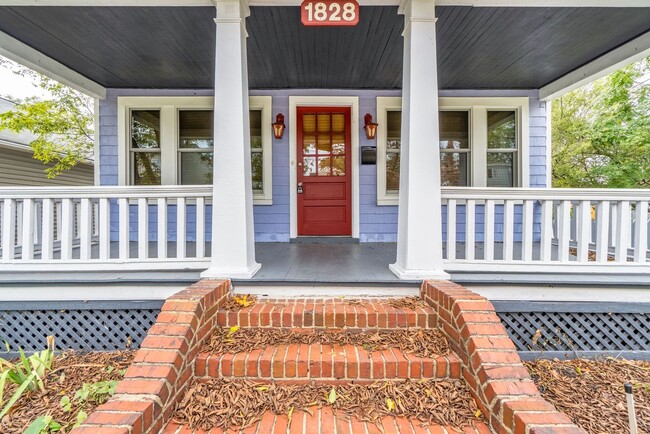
pixel 233 237
pixel 419 233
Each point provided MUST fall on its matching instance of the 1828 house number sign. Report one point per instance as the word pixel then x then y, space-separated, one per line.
pixel 329 13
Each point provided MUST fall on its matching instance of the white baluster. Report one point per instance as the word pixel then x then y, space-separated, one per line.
pixel 143 228
pixel 602 231
pixel 67 227
pixel 583 230
pixel 8 229
pixel 546 238
pixel 564 230
pixel 200 227
pixel 180 228
pixel 508 229
pixel 527 231
pixel 470 229
pixel 124 235
pixel 451 229
pixel 162 228
pixel 85 229
pixel 489 230
pixel 623 231
pixel 47 233
pixel 104 229
pixel 641 233
pixel 28 230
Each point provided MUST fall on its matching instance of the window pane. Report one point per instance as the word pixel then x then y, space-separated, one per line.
pixel 309 123
pixel 338 144
pixel 454 130
pixel 196 129
pixel 309 166
pixel 257 169
pixel 324 144
pixel 338 122
pixel 392 171
pixel 453 169
pixel 324 166
pixel 394 125
pixel 145 129
pixel 196 168
pixel 502 130
pixel 500 169
pixel 308 144
pixel 256 128
pixel 338 166
pixel 146 168
pixel 323 120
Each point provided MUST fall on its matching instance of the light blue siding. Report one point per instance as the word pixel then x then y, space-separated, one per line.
pixel 376 223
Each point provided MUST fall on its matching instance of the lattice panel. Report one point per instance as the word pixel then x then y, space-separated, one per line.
pixel 578 331
pixel 78 329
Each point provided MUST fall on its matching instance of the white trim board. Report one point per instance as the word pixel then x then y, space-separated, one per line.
pixel 473 3
pixel 323 101
pixel 15 50
pixel 618 58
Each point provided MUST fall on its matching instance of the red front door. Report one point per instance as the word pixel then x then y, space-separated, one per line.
pixel 324 168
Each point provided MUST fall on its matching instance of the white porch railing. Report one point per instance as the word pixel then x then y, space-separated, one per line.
pixel 156 228
pixel 98 227
pixel 577 230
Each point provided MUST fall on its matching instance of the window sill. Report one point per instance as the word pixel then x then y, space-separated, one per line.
pixel 388 201
pixel 262 201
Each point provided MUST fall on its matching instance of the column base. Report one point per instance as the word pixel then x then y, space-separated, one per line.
pixel 418 274
pixel 232 272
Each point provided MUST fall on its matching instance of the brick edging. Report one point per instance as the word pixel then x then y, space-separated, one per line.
pixel 491 366
pixel 163 366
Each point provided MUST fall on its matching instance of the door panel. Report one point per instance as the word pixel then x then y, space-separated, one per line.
pixel 324 171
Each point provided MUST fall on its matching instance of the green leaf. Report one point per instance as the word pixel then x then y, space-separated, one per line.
pixel 66 403
pixel 3 380
pixel 390 404
pixel 81 418
pixel 16 396
pixel 332 396
pixel 39 425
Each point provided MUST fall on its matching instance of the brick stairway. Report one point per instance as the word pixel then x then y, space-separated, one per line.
pixel 482 355
pixel 327 364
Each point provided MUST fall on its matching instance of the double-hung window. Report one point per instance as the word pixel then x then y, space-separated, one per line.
pixel 170 141
pixel 482 142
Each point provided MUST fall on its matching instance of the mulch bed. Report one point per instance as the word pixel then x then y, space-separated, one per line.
pixel 419 342
pixel 70 371
pixel 221 403
pixel 591 392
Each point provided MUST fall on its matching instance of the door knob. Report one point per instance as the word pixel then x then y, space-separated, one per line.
pixel 299 164
pixel 300 187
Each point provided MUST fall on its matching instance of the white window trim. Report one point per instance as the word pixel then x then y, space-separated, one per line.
pixel 478 108
pixel 169 107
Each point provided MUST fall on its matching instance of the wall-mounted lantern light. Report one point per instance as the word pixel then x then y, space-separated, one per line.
pixel 278 126
pixel 370 127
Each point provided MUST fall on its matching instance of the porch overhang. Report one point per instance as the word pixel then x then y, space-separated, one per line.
pixel 170 44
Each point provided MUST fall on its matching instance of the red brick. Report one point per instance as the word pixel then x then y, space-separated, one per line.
pixel 509 408
pixel 89 429
pixel 498 388
pixel 499 372
pixel 495 357
pixel 522 420
pixel 239 365
pixel 557 430
pixel 279 361
pixel 154 356
pixel 166 372
pixel 252 363
pixel 290 361
pixel 115 418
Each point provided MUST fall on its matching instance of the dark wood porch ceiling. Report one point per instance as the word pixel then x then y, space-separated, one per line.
pixel 498 48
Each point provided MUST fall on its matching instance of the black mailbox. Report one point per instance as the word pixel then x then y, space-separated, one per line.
pixel 368 155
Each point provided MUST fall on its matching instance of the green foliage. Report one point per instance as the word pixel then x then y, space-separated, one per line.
pixel 28 373
pixel 43 424
pixel 97 393
pixel 62 123
pixel 601 132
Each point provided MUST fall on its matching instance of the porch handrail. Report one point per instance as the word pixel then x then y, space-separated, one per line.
pixel 111 192
pixel 521 228
pixel 545 193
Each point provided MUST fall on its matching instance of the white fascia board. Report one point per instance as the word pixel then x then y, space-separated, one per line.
pixel 17 51
pixel 474 3
pixel 618 58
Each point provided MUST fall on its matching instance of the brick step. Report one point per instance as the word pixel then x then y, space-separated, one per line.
pixel 327 313
pixel 324 421
pixel 325 362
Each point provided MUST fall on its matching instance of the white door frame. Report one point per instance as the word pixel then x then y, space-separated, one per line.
pixel 323 101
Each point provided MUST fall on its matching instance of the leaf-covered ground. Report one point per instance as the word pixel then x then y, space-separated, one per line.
pixel 419 342
pixel 221 403
pixel 591 391
pixel 69 373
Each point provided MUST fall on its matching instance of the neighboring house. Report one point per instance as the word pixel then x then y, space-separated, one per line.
pixel 196 178
pixel 18 168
